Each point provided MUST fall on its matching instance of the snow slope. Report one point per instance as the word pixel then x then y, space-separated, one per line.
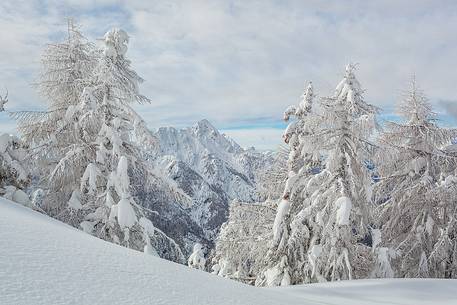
pixel 45 262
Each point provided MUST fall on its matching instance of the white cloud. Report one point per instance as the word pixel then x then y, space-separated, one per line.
pixel 254 56
pixel 260 138
pixel 233 60
pixel 450 108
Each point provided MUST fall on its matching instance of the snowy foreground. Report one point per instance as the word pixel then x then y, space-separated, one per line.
pixel 43 261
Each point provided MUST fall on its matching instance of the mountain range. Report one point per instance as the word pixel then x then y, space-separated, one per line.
pixel 212 170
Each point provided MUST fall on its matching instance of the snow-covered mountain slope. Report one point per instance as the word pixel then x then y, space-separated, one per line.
pixel 210 168
pixel 216 157
pixel 43 262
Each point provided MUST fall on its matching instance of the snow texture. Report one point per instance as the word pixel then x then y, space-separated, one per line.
pixel 90 177
pixel 283 210
pixel 126 215
pixel 4 142
pixel 115 43
pixel 43 261
pixel 75 200
pixel 376 237
pixel 197 258
pixel 344 206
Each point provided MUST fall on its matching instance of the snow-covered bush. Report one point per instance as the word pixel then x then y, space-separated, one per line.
pixel 243 241
pixel 14 177
pixel 197 258
pixel 12 156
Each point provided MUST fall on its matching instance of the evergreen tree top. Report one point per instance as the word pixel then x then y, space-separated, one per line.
pixel 415 108
pixel 348 95
pixel 307 99
pixel 115 41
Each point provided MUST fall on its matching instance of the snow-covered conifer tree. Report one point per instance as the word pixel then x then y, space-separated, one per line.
pixel 287 250
pixel 323 217
pixel 99 166
pixel 339 198
pixel 418 192
pixel 66 70
pixel 111 130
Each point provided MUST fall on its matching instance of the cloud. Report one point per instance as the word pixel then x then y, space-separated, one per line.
pixel 260 138
pixel 255 56
pixel 450 107
pixel 447 113
pixel 230 61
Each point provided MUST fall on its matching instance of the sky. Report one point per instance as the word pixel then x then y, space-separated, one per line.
pixel 239 64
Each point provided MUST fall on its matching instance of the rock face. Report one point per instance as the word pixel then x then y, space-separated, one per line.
pixel 212 170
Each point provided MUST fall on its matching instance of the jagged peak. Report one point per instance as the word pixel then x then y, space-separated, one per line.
pixel 165 129
pixel 205 125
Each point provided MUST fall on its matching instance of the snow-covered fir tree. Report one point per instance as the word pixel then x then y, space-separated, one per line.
pixel 112 132
pixel 417 191
pixel 323 218
pixel 197 258
pixel 66 70
pixel 291 158
pixel 338 208
pixel 243 241
pixel 287 250
pixel 95 148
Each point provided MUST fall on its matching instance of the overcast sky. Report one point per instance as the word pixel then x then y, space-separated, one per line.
pixel 241 63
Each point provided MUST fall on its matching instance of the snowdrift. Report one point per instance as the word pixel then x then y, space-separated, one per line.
pixel 43 261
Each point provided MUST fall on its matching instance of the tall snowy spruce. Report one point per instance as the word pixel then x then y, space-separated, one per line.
pixel 289 241
pixel 95 146
pixel 323 218
pixel 339 198
pixel 418 192
pixel 243 251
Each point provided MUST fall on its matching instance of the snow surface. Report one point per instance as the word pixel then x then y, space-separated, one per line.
pixel 43 262
pixel 4 142
pixel 17 195
pixel 197 258
pixel 75 200
pixel 281 212
pixel 126 215
pixel 344 206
